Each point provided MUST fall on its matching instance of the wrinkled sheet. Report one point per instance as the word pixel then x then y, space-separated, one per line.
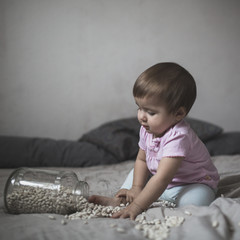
pixel 106 180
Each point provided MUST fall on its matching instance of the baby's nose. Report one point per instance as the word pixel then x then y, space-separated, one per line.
pixel 143 116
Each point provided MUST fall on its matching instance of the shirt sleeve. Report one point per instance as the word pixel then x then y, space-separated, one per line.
pixel 176 145
pixel 142 138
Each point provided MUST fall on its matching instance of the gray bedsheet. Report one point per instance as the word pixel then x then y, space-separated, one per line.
pixel 106 180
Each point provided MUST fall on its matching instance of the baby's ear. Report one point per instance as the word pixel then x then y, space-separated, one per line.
pixel 181 113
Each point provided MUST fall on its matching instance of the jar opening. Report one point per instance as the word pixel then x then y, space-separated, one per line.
pixel 81 189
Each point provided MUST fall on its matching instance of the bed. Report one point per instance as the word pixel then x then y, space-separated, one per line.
pixel 103 158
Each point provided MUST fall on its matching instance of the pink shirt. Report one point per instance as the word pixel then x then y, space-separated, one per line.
pixel 180 141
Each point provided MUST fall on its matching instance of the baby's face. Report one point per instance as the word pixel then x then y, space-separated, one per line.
pixel 154 117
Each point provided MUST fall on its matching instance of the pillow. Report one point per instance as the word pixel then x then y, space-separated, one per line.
pixel 110 143
pixel 204 130
pixel 119 138
pixel 43 152
pixel 226 144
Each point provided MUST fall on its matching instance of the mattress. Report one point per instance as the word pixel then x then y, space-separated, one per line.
pixel 220 220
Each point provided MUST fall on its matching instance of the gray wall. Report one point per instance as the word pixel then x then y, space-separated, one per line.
pixel 67 66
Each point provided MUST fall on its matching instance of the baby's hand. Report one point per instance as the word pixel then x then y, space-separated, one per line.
pixel 130 211
pixel 122 193
pixel 129 195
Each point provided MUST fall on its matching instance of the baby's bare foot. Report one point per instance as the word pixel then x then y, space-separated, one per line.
pixel 105 201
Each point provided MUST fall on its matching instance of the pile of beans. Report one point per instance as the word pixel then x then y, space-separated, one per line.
pixel 27 199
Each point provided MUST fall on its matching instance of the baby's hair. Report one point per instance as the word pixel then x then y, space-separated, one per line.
pixel 168 83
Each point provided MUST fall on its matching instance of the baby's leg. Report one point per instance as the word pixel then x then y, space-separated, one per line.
pixel 113 201
pixel 195 194
pixel 192 194
pixel 128 181
pixel 105 201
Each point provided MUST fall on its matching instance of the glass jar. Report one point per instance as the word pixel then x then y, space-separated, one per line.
pixel 44 191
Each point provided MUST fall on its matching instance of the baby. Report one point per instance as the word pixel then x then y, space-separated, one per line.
pixel 172 163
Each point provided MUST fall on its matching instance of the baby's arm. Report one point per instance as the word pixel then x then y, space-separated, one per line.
pixel 153 189
pixel 158 183
pixel 141 174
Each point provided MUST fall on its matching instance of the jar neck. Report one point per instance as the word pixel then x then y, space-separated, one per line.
pixel 81 189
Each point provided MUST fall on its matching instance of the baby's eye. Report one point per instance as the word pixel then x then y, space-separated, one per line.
pixel 151 113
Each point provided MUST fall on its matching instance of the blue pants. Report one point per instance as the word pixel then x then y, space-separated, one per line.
pixel 191 194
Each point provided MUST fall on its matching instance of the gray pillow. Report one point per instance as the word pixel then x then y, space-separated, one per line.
pixel 204 130
pixel 225 144
pixel 118 138
pixel 110 143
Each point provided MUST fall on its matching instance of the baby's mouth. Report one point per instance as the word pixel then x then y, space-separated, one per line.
pixel 146 127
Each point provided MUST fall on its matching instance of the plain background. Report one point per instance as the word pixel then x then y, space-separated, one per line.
pixel 67 66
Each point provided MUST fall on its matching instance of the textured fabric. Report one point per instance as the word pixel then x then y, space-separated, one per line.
pixel 106 180
pixel 180 141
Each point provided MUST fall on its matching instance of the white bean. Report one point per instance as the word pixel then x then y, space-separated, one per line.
pixel 187 213
pixel 121 230
pixel 215 224
pixel 63 222
pixel 51 217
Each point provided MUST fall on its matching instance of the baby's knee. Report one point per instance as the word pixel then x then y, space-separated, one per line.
pixel 196 194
